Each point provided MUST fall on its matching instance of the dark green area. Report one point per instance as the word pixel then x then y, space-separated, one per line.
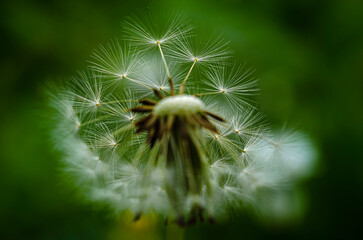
pixel 308 56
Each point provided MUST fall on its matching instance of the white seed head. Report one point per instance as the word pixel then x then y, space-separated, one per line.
pixel 179 105
pixel 175 169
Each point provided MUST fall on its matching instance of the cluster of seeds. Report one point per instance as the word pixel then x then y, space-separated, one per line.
pixel 157 125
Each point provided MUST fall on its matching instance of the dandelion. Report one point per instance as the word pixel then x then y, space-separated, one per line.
pixel 145 132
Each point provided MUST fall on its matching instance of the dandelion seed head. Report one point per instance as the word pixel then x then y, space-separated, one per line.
pixel 144 131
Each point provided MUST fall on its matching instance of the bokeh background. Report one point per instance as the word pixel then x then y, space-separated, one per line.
pixel 308 56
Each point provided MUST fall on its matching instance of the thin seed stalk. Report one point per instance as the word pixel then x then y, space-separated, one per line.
pixel 172 90
pixel 182 86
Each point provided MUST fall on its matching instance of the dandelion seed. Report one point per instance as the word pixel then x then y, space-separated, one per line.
pixel 191 50
pixel 231 85
pixel 116 62
pixel 147 31
pixel 141 133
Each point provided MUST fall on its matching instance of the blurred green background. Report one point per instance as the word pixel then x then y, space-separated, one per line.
pixel 308 56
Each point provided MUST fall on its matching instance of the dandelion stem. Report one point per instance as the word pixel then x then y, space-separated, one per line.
pixel 172 91
pixel 182 86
